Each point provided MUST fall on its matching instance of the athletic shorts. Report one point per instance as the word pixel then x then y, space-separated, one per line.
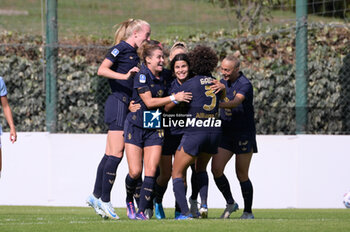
pixel 171 143
pixel 142 137
pixel 196 143
pixel 115 113
pixel 239 144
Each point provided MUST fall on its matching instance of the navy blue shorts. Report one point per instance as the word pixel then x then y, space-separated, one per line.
pixel 239 144
pixel 115 113
pixel 171 143
pixel 142 137
pixel 196 143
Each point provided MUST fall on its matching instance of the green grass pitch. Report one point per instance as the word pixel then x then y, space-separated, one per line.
pixel 39 219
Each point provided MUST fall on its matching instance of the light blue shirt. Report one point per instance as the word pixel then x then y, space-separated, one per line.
pixel 3 92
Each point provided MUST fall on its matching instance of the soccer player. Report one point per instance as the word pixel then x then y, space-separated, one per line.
pixel 180 68
pixel 177 48
pixel 143 146
pixel 119 66
pixel 238 136
pixel 198 142
pixel 8 115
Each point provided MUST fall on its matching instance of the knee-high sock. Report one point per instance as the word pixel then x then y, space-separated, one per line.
pixel 146 193
pixel 180 195
pixel 159 192
pixel 138 190
pixel 247 192
pixel 99 177
pixel 203 183
pixel 194 183
pixel 130 185
pixel 109 175
pixel 224 187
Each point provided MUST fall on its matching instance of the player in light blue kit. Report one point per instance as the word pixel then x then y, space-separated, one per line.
pixel 8 115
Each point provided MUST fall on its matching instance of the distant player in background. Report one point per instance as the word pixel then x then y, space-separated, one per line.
pixel 119 66
pixel 143 146
pixel 238 136
pixel 177 48
pixel 8 115
pixel 198 144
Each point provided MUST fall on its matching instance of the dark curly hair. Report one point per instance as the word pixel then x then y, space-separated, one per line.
pixel 203 60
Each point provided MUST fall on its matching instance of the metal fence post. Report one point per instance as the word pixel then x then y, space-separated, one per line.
pixel 301 84
pixel 51 64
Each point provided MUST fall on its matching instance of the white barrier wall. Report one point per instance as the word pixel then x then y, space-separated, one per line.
pixel 304 171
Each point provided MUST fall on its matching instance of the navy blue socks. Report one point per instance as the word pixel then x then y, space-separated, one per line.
pixel 159 192
pixel 224 187
pixel 130 185
pixel 247 192
pixel 180 195
pixel 99 176
pixel 109 175
pixel 203 183
pixel 194 183
pixel 146 193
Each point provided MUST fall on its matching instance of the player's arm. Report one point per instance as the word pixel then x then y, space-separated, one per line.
pixel 106 71
pixel 8 115
pixel 153 102
pixel 239 98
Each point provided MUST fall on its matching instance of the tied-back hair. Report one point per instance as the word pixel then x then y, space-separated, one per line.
pixel 203 60
pixel 147 48
pixel 233 58
pixel 126 28
pixel 179 45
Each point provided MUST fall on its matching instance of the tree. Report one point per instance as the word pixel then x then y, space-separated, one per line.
pixel 249 13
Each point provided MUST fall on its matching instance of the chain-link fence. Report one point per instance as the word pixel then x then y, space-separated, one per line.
pixel 268 60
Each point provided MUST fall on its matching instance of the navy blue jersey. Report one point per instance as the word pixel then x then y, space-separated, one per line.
pixel 145 81
pixel 177 111
pixel 124 57
pixel 204 105
pixel 241 118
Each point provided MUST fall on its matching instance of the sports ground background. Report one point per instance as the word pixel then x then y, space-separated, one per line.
pixel 302 162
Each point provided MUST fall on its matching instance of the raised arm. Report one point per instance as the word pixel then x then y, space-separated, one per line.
pixel 106 71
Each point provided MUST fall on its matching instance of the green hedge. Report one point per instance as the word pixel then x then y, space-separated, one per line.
pixel 267 60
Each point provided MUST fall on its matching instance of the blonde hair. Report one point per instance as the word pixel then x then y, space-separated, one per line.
pixel 178 45
pixel 234 58
pixel 126 28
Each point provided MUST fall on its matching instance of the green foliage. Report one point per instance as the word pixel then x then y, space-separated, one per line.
pixel 248 13
pixel 268 61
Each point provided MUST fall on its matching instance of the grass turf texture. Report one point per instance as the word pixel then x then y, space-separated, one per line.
pixel 38 219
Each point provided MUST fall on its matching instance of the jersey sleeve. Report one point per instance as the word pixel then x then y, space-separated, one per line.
pixel 141 82
pixel 245 89
pixel 113 53
pixel 3 90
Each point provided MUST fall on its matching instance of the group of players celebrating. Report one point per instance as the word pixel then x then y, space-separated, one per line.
pixel 139 82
